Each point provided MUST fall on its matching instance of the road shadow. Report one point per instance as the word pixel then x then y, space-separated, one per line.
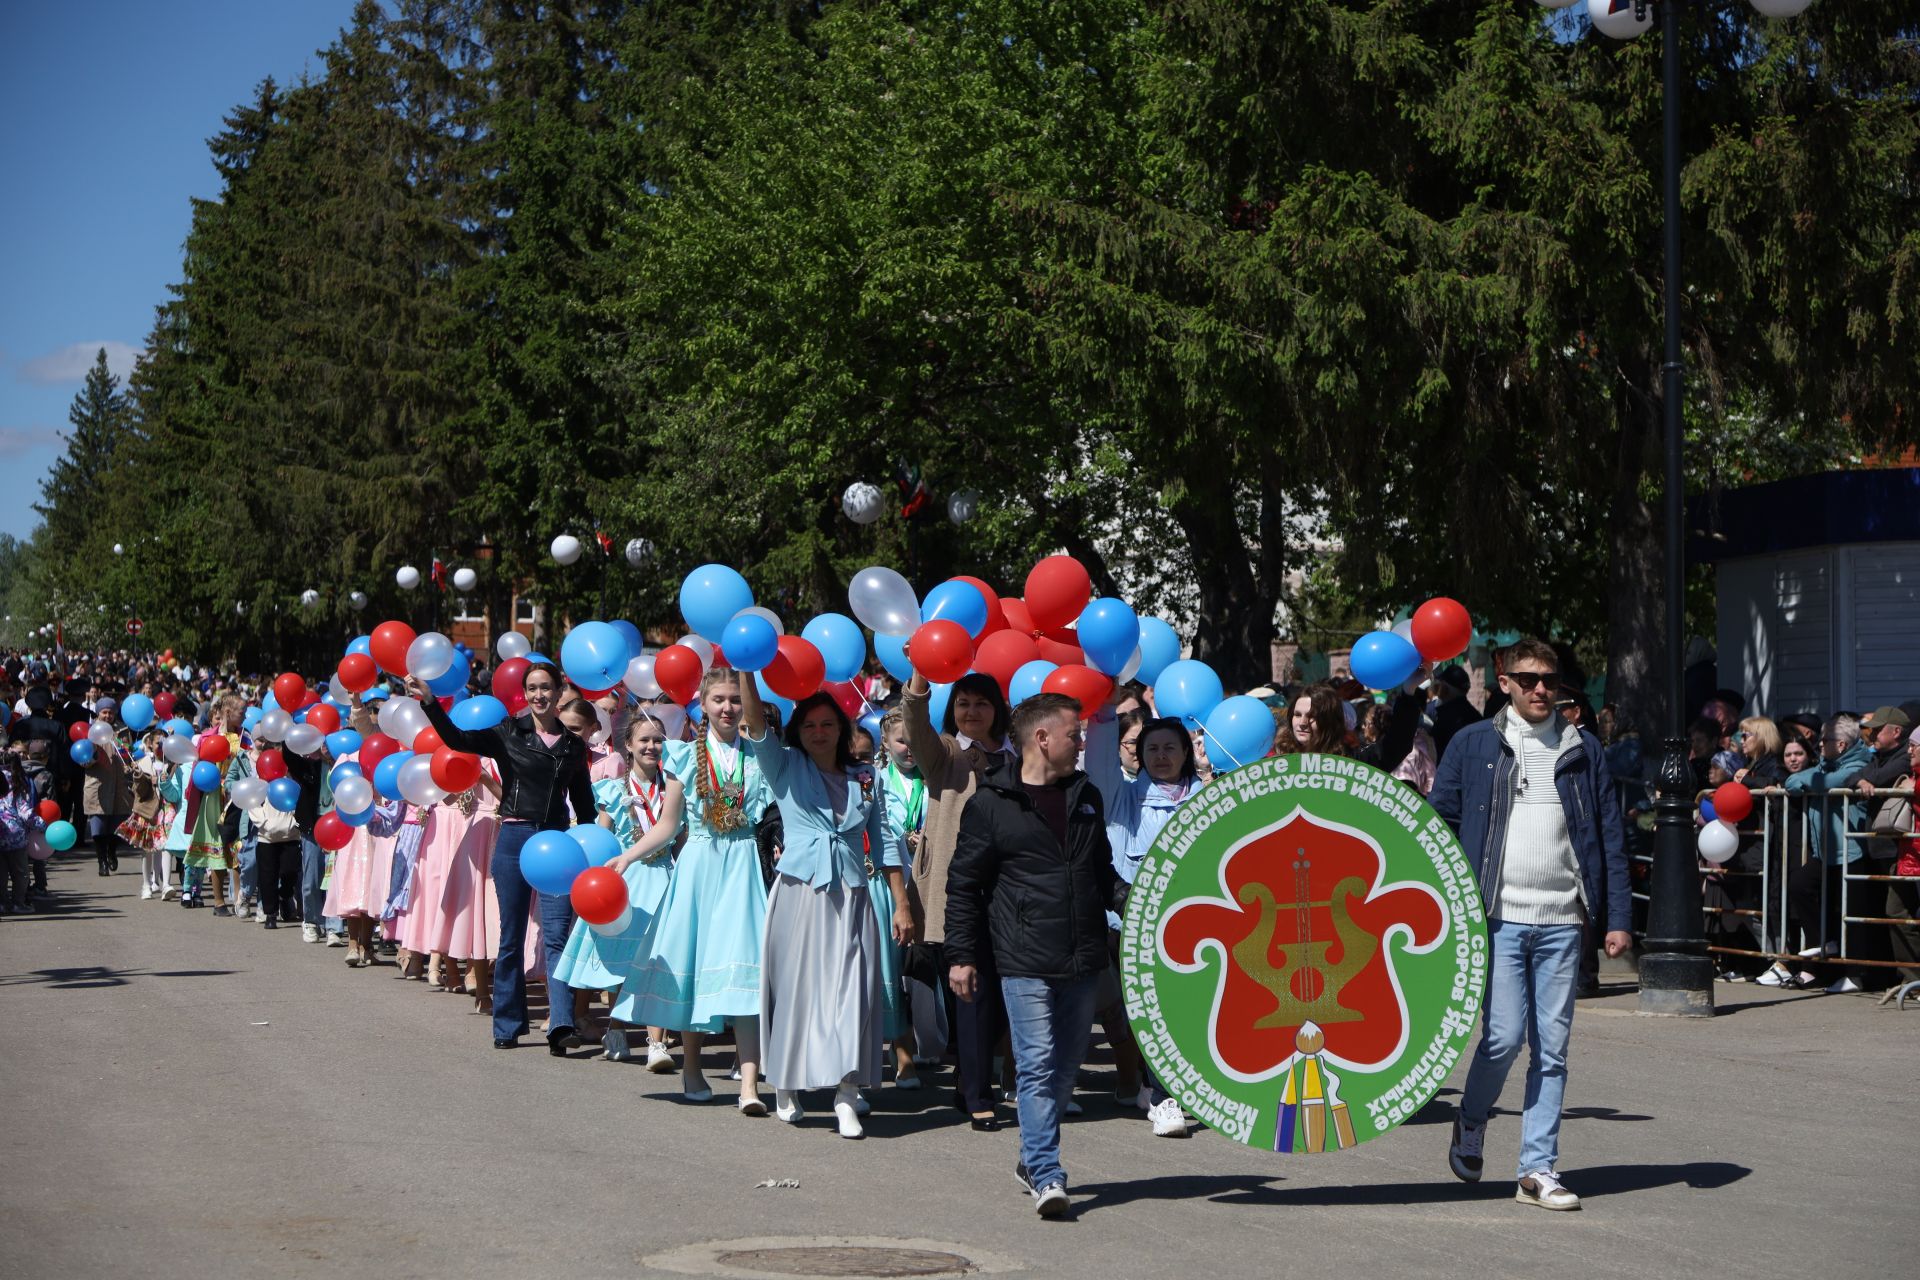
pixel 1440 1112
pixel 1590 1183
pixel 1224 1187
pixel 90 976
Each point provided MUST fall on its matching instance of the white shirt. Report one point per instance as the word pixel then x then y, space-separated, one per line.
pixel 1539 872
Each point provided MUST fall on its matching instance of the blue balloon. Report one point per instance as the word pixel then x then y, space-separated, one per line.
pixel 268 702
pixel 82 752
pixel 1159 649
pixel 1239 731
pixel 1027 680
pixel 251 718
pixel 344 768
pixel 710 597
pixel 283 794
pixel 892 652
pixel 179 726
pixel 476 714
pixel 454 679
pixel 139 752
pixel 1109 631
pixel 956 601
pixel 536 658
pixel 750 642
pixel 1707 811
pixel 386 774
pixel 695 714
pixel 206 777
pixel 375 694
pixel 938 696
pixel 361 644
pixel 359 819
pixel 551 862
pixel 1383 660
pixel 599 844
pixel 635 645
pixel 593 656
pixel 1189 690
pixel 871 723
pixel 344 742
pixel 136 711
pixel 843 646
pixel 767 695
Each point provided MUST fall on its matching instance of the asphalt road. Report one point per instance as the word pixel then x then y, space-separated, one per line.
pixel 187 1096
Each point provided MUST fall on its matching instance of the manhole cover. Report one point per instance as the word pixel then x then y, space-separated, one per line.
pixel 846 1260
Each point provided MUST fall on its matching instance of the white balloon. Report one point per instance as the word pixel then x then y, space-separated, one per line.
pixel 247 793
pixel 402 720
pixel 274 724
pixel 565 549
pixel 353 794
pixel 408 577
pixel 1131 668
pixel 1780 8
pixel 1612 18
pixel 1718 841
pixel 118 549
pixel 672 718
pixel 884 601
pixel 618 925
pixel 338 690
pixel 309 598
pixel 464 579
pixel 512 644
pixel 964 505
pixel 761 611
pixel 305 739
pixel 861 502
pixel 639 551
pixel 357 600
pixel 416 781
pixel 430 656
pixel 702 648
pixel 101 734
pixel 639 678
pixel 1404 629
pixel 178 748
pixel 604 733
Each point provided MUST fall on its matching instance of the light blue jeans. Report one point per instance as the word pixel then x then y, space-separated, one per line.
pixel 1049 1020
pixel 1532 975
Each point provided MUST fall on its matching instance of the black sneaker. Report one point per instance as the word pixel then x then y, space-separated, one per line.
pixel 1026 1183
pixel 222 912
pixel 269 923
pixel 1464 1153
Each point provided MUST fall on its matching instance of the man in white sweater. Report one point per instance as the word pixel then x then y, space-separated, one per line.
pixel 1536 812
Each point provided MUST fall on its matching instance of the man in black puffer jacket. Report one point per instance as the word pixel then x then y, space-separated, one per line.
pixel 1033 873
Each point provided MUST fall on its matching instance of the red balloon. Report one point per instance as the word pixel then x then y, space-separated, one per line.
pixel 940 650
pixel 848 697
pixel 1014 610
pixel 1442 629
pixel 49 811
pixel 599 895
pixel 795 672
pixel 78 730
pixel 289 689
pixel 270 764
pixel 516 702
pixel 324 718
pixel 377 747
pixel 356 673
pixel 996 621
pixel 1058 588
pixel 591 695
pixel 453 771
pixel 214 748
pixel 1060 654
pixel 1732 801
pixel 332 831
pixel 426 742
pixel 1085 684
pixel 508 679
pixel 312 699
pixel 677 670
pixel 390 641
pixel 163 704
pixel 1003 652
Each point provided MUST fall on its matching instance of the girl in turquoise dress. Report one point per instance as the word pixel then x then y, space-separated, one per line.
pixel 907 817
pixel 643 808
pixel 700 957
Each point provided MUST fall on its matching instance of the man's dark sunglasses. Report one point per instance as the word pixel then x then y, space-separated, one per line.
pixel 1526 680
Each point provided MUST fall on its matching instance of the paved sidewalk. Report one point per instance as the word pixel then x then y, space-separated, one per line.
pixel 194 1097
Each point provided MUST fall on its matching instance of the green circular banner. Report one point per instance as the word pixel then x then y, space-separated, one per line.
pixel 1304 953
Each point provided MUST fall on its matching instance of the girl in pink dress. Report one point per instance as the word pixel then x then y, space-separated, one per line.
pixel 468 921
pixel 357 888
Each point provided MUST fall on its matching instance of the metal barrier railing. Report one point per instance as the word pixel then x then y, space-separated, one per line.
pixel 1784 833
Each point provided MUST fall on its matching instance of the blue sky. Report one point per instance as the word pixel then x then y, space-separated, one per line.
pixel 108 106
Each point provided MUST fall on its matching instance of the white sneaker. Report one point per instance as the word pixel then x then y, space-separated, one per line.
pixel 1776 976
pixel 259 915
pixel 786 1105
pixel 1050 1201
pixel 336 939
pixel 310 933
pixel 1542 1187
pixel 846 1110
pixel 1844 987
pixel 146 892
pixel 615 1046
pixel 169 894
pixel 659 1061
pixel 1168 1120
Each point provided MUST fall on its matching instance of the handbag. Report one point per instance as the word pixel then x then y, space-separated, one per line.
pixel 1894 817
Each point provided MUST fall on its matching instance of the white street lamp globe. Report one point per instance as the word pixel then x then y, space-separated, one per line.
pixel 565 549
pixel 639 551
pixel 119 550
pixel 357 600
pixel 861 502
pixel 963 506
pixel 1780 8
pixel 408 577
pixel 464 578
pixel 309 598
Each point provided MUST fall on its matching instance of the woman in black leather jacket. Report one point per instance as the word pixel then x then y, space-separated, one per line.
pixel 543 770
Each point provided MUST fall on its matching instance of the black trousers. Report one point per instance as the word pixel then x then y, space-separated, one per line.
pixel 1864 941
pixel 277 875
pixel 977 1026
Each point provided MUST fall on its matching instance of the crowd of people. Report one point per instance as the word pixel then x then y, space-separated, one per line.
pixel 849 910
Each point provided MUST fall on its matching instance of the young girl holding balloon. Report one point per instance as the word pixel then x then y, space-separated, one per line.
pixel 699 966
pixel 907 817
pixel 644 810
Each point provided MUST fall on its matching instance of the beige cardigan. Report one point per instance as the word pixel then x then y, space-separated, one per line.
pixel 952 773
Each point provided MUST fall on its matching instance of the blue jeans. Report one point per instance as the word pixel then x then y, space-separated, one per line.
pixel 1532 974
pixel 249 861
pixel 556 923
pixel 1049 1019
pixel 313 893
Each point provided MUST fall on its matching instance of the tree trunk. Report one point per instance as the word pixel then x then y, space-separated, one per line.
pixel 1636 625
pixel 1235 630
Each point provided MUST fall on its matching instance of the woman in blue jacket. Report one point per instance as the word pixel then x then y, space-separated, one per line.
pixel 822 1009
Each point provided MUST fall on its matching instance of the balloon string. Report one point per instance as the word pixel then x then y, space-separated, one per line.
pixel 1223 746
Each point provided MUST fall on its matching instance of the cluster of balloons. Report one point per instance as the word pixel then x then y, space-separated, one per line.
pixel 1438 630
pixel 1730 805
